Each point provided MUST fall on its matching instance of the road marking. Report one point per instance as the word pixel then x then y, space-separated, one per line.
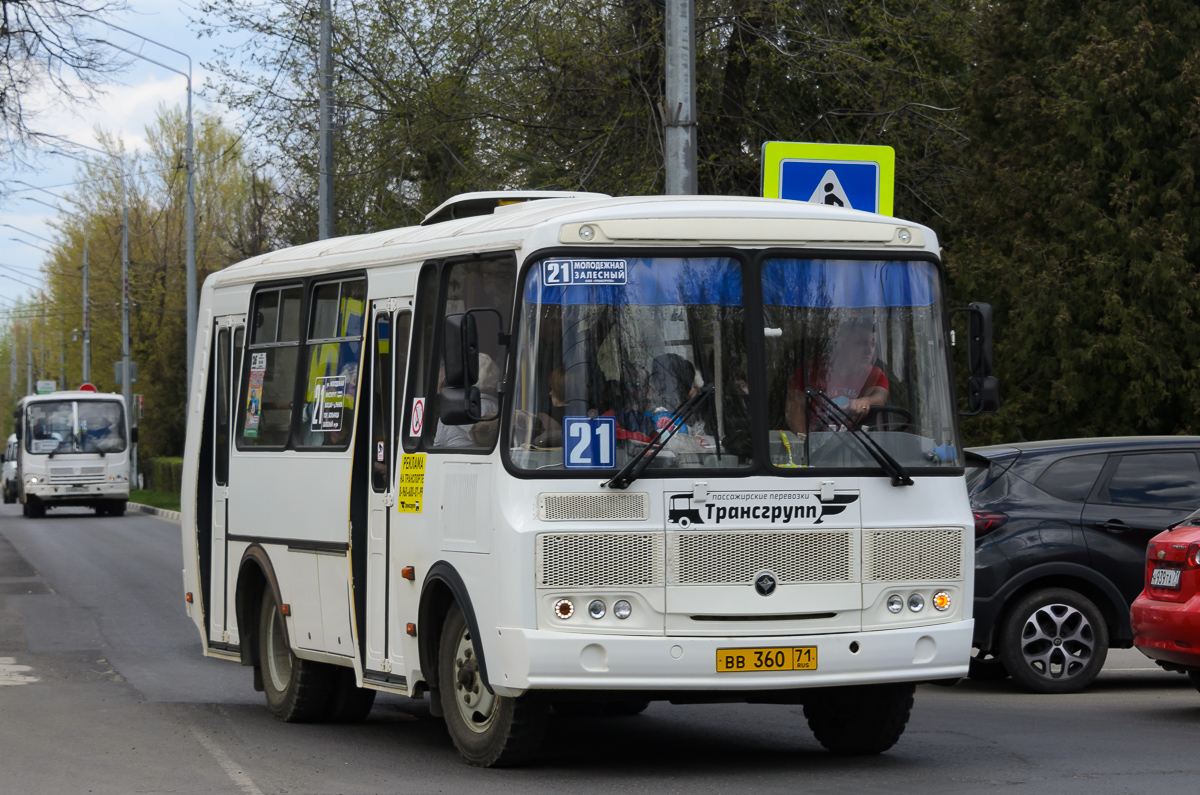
pixel 241 779
pixel 13 674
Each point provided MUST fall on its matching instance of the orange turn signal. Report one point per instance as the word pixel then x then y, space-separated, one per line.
pixel 408 573
pixel 411 629
pixel 285 609
pixel 188 597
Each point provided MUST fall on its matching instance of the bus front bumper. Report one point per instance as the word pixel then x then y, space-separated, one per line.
pixel 536 659
pixel 57 494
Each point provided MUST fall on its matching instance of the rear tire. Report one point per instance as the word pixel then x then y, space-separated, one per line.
pixel 859 720
pixel 298 691
pixel 34 508
pixel 1054 641
pixel 489 730
pixel 601 709
pixel 348 703
pixel 116 508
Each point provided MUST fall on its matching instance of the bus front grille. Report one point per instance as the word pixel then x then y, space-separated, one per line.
pixel 599 560
pixel 736 558
pixel 632 507
pixel 60 476
pixel 919 554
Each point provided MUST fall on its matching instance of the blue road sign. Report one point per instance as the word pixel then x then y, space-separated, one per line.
pixel 856 177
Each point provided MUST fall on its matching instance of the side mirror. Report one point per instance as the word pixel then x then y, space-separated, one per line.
pixel 459 405
pixel 980 334
pixel 983 394
pixel 17 430
pixel 461 352
pixel 133 434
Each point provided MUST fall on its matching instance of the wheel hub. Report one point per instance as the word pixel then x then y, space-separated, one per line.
pixel 475 702
pixel 1057 642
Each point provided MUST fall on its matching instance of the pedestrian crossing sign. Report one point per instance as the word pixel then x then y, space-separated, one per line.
pixel 838 175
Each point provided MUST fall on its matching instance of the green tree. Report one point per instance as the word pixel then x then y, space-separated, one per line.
pixel 1079 218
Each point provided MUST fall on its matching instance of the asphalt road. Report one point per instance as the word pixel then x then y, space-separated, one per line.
pixel 103 689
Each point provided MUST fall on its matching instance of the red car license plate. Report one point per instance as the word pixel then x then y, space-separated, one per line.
pixel 1165 578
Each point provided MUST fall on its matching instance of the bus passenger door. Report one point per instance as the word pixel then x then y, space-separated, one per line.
pixel 227 355
pixel 389 345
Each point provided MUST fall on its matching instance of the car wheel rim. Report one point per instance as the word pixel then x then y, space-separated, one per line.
pixel 476 704
pixel 279 659
pixel 1057 642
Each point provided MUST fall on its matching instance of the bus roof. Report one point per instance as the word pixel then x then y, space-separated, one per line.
pixel 624 221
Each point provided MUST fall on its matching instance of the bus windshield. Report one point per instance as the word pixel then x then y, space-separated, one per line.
pixel 611 347
pixel 70 426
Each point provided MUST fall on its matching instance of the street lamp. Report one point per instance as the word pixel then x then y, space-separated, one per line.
pixel 189 157
pixel 86 365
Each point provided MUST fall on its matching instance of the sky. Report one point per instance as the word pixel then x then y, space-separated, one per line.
pixel 126 108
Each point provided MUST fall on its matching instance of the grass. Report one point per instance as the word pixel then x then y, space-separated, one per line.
pixel 155 499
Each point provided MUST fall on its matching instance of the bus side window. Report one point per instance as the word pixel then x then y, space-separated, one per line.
pixel 268 383
pixel 415 413
pixel 400 344
pixel 335 335
pixel 470 285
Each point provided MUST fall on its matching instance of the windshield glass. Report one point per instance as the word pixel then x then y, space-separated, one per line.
pixel 609 348
pixel 868 335
pixel 68 426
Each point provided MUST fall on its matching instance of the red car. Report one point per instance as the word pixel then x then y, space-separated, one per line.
pixel 1166 615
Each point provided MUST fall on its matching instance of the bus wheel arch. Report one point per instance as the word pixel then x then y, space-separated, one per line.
pixel 442 589
pixel 255 577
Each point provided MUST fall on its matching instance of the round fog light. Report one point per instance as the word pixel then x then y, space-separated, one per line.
pixel 916 603
pixel 895 603
pixel 622 609
pixel 564 609
pixel 597 609
pixel 941 601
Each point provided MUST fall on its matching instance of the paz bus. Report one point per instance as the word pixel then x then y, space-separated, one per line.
pixel 580 453
pixel 72 449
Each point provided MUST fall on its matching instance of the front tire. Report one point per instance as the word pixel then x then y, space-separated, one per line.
pixel 1194 677
pixel 986 668
pixel 489 730
pixel 1054 641
pixel 349 703
pixel 116 508
pixel 298 691
pixel 859 720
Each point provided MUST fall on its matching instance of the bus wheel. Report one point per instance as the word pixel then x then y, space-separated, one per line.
pixel 488 730
pixel 116 508
pixel 348 703
pixel 297 690
pixel 33 508
pixel 859 720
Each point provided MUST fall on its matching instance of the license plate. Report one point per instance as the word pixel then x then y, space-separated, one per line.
pixel 77 488
pixel 1165 578
pixel 794 658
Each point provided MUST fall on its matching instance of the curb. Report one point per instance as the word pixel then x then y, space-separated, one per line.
pixel 170 516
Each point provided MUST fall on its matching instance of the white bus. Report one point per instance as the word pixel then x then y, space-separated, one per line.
pixel 73 449
pixel 582 453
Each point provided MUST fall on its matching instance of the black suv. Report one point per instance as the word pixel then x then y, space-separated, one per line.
pixel 1061 529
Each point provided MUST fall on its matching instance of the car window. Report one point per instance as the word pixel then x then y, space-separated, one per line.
pixel 1160 480
pixel 1071 479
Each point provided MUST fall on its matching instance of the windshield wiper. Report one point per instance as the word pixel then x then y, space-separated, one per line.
pixel 87 439
pixel 57 448
pixel 644 457
pixel 890 465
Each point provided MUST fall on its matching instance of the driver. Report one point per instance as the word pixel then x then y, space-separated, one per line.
pixel 850 378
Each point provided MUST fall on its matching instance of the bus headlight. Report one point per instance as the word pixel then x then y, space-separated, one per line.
pixel 622 609
pixel 895 603
pixel 597 609
pixel 33 479
pixel 916 603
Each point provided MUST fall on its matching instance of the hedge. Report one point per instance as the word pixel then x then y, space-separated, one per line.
pixel 164 475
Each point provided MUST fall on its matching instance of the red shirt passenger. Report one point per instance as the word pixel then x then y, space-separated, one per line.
pixel 851 380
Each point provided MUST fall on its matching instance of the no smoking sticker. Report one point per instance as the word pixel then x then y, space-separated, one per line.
pixel 418 417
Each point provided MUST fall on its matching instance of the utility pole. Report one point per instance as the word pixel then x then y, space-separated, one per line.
pixel 29 359
pixel 325 140
pixel 679 115
pixel 87 316
pixel 62 361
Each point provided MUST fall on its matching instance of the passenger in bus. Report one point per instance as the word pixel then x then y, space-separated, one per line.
pixel 849 377
pixel 488 383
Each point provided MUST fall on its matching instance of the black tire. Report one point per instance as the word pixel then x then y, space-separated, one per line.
pixel 489 730
pixel 298 691
pixel 859 720
pixel 987 668
pixel 116 508
pixel 1194 676
pixel 348 703
pixel 1054 641
pixel 34 508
